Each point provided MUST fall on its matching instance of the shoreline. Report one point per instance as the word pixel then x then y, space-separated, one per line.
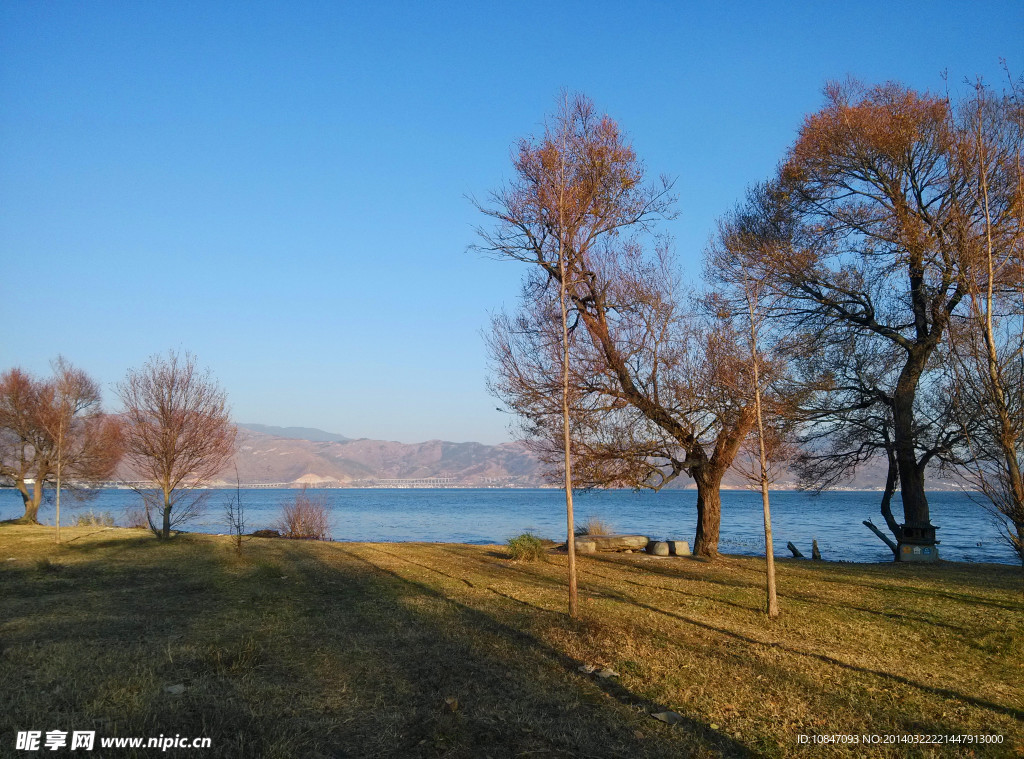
pixel 639 556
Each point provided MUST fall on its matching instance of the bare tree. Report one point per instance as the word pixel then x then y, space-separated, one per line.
pixel 177 434
pixel 739 295
pixel 83 438
pixel 745 294
pixel 54 432
pixel 576 186
pixel 234 515
pixel 654 381
pixel 563 135
pixel 989 348
pixel 871 210
pixel 883 211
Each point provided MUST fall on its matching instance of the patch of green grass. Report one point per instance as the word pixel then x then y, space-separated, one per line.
pixel 43 565
pixel 525 547
pixel 300 648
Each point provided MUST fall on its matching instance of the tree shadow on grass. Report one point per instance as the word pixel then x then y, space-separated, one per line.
pixel 541 684
pixel 879 578
pixel 317 651
pixel 607 591
pixel 943 692
pixel 894 591
pixel 807 598
pixel 312 651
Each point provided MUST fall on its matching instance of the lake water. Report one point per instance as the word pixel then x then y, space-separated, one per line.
pixel 967 531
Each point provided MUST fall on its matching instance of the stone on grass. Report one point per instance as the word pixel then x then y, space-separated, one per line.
pixel 175 690
pixel 585 546
pixel 679 548
pixel 618 542
pixel 658 548
pixel 669 718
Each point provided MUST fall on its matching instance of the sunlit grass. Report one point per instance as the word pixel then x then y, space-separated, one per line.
pixel 331 649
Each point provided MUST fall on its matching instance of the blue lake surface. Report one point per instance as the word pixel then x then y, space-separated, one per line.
pixel 967 531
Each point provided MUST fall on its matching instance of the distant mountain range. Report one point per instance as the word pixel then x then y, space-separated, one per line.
pixel 297 433
pixel 297 456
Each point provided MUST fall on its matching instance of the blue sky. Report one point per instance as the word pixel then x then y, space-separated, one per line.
pixel 281 187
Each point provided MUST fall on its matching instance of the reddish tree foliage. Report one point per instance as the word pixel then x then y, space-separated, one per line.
pixel 651 385
pixel 54 427
pixel 869 206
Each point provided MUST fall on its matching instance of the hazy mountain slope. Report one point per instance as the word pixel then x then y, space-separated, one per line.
pixel 268 458
pixel 296 433
pixel 265 457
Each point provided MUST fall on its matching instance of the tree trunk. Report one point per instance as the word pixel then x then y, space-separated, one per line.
pixel 709 513
pixel 165 532
pixel 31 500
pixel 570 542
pixel 915 503
pixel 891 479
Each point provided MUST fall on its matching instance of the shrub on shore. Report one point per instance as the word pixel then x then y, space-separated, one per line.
pixel 93 519
pixel 136 518
pixel 593 526
pixel 525 547
pixel 305 518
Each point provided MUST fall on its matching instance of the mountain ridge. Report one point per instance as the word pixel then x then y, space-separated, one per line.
pixel 296 433
pixel 265 457
pixel 282 456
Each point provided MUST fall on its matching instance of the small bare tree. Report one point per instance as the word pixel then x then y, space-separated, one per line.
pixel 234 514
pixel 740 296
pixel 177 433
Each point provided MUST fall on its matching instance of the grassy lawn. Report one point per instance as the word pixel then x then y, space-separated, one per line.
pixel 301 649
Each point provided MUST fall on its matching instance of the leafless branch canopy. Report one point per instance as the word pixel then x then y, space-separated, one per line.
pixel 177 429
pixel 653 384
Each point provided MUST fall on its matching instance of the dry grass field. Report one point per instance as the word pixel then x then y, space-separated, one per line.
pixel 307 649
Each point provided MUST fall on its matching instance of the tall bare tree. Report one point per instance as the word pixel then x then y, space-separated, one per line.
pixel 740 295
pixel 871 208
pixel 576 186
pixel 177 434
pixel 989 346
pixel 53 432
